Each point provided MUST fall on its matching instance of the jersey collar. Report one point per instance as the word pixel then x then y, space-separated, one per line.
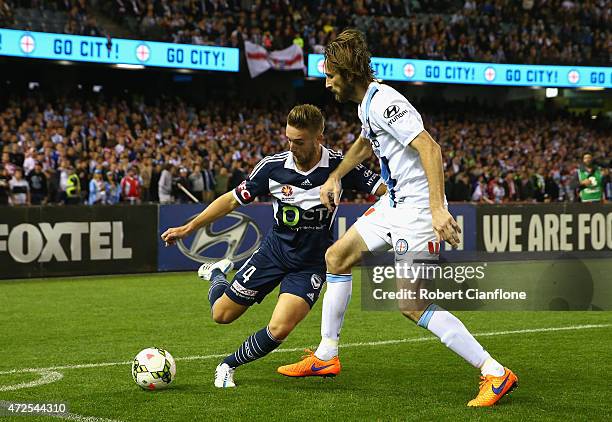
pixel 323 162
pixel 373 85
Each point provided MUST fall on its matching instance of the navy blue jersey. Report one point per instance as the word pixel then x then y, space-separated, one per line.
pixel 302 228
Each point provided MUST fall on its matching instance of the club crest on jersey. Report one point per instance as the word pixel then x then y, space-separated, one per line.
pixel 316 281
pixel 287 190
pixel 434 248
pixel 401 246
pixel 243 191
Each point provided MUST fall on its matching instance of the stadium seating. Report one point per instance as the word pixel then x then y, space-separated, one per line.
pixel 70 17
pixel 501 156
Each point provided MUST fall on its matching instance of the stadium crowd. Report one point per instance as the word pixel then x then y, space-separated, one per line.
pixel 98 151
pixel 505 31
pixel 76 15
pixel 532 31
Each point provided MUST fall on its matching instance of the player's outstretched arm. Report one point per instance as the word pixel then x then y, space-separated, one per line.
pixel 444 225
pixel 220 207
pixel 330 191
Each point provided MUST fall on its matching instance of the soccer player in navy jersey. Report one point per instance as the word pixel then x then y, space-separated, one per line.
pixel 292 254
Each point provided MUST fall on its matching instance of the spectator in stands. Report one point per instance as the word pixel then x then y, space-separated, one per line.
pixel 196 181
pixel 113 189
pixel 221 182
pixel 551 187
pixel 237 175
pixel 209 183
pixel 590 180
pixel 510 188
pixel 73 186
pixel 607 182
pixel 539 185
pixel 165 184
pixel 82 171
pixel 480 194
pixel 183 180
pixel 38 184
pixel 97 189
pixel 29 162
pixel 146 172
pixel 53 185
pixel 496 190
pixel 130 186
pixel 5 189
pixel 20 189
pixel 154 187
pixel 461 188
pixel 7 164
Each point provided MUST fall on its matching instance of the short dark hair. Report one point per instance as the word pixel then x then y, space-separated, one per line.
pixel 349 55
pixel 306 116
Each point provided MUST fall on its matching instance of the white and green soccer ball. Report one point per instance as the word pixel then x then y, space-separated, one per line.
pixel 153 369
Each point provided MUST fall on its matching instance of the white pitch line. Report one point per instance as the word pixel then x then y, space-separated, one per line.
pixel 301 349
pixel 46 377
pixel 81 418
pixel 68 416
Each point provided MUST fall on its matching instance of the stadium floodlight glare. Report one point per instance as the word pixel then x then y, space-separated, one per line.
pixel 96 88
pixel 64 62
pixel 552 92
pixel 129 66
pixel 33 85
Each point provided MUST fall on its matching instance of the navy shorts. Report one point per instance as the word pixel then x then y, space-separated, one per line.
pixel 261 273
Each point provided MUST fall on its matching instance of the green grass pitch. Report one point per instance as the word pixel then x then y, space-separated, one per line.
pixel 65 322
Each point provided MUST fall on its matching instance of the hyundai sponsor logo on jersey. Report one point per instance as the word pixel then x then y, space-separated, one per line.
pixel 437 71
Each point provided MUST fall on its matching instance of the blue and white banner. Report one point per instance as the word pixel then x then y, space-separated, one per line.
pixel 435 71
pixel 42 45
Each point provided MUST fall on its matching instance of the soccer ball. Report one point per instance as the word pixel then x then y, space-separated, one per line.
pixel 153 369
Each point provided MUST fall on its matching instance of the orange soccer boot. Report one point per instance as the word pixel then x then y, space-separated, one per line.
pixel 312 366
pixel 493 388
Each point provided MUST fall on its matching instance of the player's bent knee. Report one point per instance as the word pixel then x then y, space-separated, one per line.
pixel 223 316
pixel 280 330
pixel 336 261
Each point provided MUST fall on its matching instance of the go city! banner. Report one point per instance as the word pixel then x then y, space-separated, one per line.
pixel 42 45
pixel 436 71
